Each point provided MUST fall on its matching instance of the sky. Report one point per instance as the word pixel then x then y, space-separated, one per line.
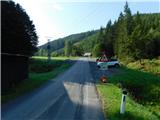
pixel 55 19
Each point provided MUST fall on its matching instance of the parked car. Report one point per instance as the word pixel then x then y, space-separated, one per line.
pixel 107 62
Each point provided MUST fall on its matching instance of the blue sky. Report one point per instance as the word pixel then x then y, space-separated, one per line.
pixel 60 18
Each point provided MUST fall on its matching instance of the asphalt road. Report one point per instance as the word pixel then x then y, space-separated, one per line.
pixel 70 96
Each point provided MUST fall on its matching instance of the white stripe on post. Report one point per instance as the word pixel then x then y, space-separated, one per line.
pixel 123 102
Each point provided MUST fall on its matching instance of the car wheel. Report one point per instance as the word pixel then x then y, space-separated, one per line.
pixel 98 66
pixel 116 65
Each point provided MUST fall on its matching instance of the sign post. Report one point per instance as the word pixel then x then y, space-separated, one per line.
pixel 104 66
pixel 123 102
pixel 49 51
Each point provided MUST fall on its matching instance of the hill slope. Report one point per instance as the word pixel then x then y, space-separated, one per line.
pixel 115 38
pixel 58 45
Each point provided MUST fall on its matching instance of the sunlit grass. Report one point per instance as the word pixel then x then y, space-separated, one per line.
pixel 56 58
pixel 144 92
pixel 144 87
pixel 151 66
pixel 111 99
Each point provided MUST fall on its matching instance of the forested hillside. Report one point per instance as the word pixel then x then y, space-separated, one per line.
pixel 57 46
pixel 129 37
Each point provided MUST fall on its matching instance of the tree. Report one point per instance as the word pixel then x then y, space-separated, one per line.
pixel 128 18
pixel 18 31
pixel 68 48
pixel 152 43
pixel 100 38
pixel 99 49
pixel 18 37
pixel 109 39
pixel 121 43
pixel 137 43
pixel 77 50
pixel 118 24
pixel 54 54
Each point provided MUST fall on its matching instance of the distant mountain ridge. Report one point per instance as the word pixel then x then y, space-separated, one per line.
pixel 74 38
pixel 111 35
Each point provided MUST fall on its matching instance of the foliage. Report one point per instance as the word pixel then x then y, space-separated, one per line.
pixel 99 49
pixel 131 36
pixel 18 32
pixel 143 87
pixel 111 97
pixel 37 77
pixel 68 48
pixel 146 65
pixel 88 43
pixel 137 37
pixel 77 50
pixel 59 44
pixel 42 65
pixel 41 52
pixel 54 54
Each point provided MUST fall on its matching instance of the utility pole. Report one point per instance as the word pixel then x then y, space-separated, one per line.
pixel 48 47
pixel 49 50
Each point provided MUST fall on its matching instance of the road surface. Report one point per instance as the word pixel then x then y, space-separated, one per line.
pixel 70 96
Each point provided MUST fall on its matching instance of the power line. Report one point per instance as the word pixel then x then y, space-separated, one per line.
pixel 18 55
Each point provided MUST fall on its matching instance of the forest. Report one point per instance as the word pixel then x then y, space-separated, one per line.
pixel 131 37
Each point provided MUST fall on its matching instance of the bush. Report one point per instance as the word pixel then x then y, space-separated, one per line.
pixel 54 54
pixel 144 87
pixel 41 66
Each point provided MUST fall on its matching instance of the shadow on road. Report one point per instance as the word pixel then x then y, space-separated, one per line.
pixel 72 96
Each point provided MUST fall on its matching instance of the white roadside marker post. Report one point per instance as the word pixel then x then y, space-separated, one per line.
pixel 123 102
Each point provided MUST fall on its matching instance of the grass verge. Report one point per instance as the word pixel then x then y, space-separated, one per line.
pixel 55 58
pixel 146 65
pixel 144 92
pixel 144 87
pixel 111 98
pixel 40 72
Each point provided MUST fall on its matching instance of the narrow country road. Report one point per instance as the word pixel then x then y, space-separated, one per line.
pixel 70 96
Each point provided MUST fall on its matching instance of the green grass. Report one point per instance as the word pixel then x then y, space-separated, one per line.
pixel 146 65
pixel 41 65
pixel 111 99
pixel 144 95
pixel 56 58
pixel 143 87
pixel 40 72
